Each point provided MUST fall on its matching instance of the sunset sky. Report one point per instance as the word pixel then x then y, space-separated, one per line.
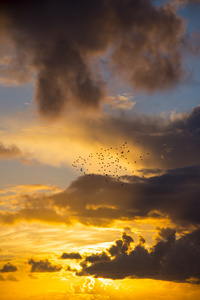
pixel 99 149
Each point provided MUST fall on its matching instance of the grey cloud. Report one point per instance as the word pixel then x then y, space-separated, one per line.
pixel 96 257
pixel 71 255
pixel 8 268
pixel 62 41
pixel 43 266
pixel 171 142
pixel 171 259
pixel 174 194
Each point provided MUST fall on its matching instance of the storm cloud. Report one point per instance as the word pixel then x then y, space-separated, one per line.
pixel 67 43
pixel 170 258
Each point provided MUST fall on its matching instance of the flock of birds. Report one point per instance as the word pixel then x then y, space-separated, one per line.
pixel 113 162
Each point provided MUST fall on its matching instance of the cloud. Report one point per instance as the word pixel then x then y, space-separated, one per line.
pixel 71 255
pixel 171 143
pixel 12 73
pixel 122 102
pixel 10 277
pixel 168 140
pixel 170 258
pixel 43 266
pixel 8 268
pixel 94 200
pixel 10 152
pixel 2 278
pixel 96 257
pixel 184 2
pixel 70 40
pixel 170 191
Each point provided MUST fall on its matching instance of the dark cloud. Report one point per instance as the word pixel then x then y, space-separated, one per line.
pixel 172 143
pixel 174 194
pixel 43 266
pixel 96 257
pixel 141 240
pixel 71 255
pixel 64 43
pixel 8 268
pixel 171 259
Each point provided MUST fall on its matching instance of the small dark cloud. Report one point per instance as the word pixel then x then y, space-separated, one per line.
pixel 170 258
pixel 71 255
pixel 67 43
pixel 8 268
pixel 43 266
pixel 141 240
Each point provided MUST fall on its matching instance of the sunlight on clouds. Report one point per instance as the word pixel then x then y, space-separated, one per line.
pixel 120 219
pixel 63 142
pixel 51 287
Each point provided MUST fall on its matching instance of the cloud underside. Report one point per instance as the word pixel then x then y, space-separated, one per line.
pixel 168 259
pixel 99 201
pixel 71 39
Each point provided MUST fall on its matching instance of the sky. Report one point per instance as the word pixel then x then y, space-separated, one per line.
pixel 99 149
